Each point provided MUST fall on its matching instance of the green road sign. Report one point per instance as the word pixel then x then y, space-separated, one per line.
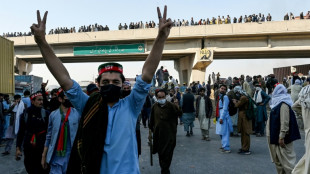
pixel 109 49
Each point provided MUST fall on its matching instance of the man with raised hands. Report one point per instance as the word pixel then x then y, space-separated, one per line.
pixel 106 138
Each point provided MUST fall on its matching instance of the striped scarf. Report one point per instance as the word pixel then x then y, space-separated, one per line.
pixel 88 147
pixel 63 136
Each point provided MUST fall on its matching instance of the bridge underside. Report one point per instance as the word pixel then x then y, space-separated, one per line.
pixel 218 54
pixel 107 58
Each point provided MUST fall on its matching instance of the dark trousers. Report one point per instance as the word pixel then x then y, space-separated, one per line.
pixel 32 161
pixel 2 124
pixel 165 158
pixel 138 136
pixel 260 127
pixel 253 124
pixel 145 116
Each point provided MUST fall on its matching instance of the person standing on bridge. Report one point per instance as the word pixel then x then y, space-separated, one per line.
pixel 105 134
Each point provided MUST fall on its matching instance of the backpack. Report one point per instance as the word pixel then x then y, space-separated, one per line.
pixel 250 112
pixel 232 110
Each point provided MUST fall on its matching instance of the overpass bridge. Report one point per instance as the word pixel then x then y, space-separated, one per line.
pixel 192 48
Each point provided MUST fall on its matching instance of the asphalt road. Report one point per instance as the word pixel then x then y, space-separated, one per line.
pixel 193 156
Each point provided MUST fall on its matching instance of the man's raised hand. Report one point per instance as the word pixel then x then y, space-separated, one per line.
pixel 38 30
pixel 164 24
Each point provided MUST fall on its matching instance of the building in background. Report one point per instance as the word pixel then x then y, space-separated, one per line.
pixel 27 82
pixel 282 72
pixel 6 66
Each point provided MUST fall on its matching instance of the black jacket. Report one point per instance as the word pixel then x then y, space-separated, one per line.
pixel 208 106
pixel 188 103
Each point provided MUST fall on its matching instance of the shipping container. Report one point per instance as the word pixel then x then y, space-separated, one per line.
pixel 27 82
pixel 7 85
pixel 282 72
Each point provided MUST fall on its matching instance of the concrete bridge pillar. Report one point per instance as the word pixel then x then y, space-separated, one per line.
pixel 22 67
pixel 193 68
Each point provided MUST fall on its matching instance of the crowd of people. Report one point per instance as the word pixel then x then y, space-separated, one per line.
pixel 176 23
pixel 292 17
pixel 70 131
pixel 89 28
pixel 16 34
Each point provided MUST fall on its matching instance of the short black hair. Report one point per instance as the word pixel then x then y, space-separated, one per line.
pixel 17 96
pixel 223 85
pixel 61 94
pixel 6 96
pixel 202 89
pixel 160 90
pixel 55 90
pixel 26 92
pixel 121 76
pixel 1 94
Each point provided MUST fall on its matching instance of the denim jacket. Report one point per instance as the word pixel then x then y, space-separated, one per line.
pixel 54 127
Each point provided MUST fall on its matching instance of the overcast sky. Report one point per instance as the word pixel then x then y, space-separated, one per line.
pixel 18 15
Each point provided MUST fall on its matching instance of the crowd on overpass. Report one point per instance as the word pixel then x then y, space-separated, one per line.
pixel 292 17
pixel 89 28
pixel 16 34
pixel 176 23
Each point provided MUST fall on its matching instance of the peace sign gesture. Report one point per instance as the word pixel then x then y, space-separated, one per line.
pixel 164 24
pixel 38 30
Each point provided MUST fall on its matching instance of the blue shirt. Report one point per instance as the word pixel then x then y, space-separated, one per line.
pixel 120 149
pixel 53 131
pixel 223 105
pixel 27 101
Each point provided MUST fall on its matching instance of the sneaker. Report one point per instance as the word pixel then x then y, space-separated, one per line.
pixel 5 153
pixel 203 138
pixel 258 135
pixel 192 133
pixel 226 151
pixel 208 139
pixel 187 134
pixel 245 152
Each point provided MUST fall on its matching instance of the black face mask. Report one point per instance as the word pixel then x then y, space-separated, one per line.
pixel 67 103
pixel 125 93
pixel 110 93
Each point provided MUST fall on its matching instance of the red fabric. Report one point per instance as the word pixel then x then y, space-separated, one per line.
pixel 217 113
pixel 111 68
pixel 35 95
pixel 60 146
pixel 33 140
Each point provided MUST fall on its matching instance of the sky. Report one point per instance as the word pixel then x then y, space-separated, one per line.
pixel 22 14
